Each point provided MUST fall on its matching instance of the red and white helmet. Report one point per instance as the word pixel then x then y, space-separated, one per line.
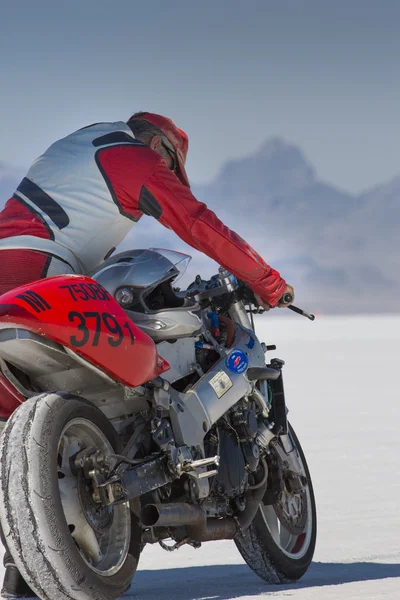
pixel 175 136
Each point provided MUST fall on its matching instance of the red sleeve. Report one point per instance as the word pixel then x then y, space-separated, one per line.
pixel 200 228
pixel 142 183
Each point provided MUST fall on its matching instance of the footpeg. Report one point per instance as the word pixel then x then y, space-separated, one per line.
pixel 190 467
pixel 202 462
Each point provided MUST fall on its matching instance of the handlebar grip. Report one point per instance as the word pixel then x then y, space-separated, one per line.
pixel 286 299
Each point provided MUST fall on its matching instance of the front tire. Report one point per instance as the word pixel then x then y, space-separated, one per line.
pixel 277 547
pixel 64 546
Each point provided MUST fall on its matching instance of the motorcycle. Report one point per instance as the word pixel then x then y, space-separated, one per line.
pixel 147 415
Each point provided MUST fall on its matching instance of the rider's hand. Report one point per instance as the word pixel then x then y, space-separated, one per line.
pixel 288 290
pixel 261 303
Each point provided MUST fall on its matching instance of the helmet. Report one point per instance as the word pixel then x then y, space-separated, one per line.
pixel 141 282
pixel 177 137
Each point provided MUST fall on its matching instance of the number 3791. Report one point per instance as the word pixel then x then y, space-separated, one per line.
pixel 114 333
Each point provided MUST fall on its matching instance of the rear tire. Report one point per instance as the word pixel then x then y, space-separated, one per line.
pixel 34 505
pixel 274 553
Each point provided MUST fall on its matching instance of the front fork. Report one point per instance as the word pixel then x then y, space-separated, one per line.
pixel 279 410
pixel 280 438
pixel 287 471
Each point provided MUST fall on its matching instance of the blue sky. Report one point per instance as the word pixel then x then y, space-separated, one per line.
pixel 321 73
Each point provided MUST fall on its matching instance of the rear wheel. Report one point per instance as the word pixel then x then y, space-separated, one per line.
pixel 280 542
pixel 65 544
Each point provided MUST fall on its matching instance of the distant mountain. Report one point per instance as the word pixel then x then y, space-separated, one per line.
pixel 379 212
pixel 280 178
pixel 339 250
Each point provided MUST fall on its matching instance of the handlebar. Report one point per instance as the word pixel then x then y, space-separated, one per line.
pixel 244 292
pixel 287 298
pixel 299 311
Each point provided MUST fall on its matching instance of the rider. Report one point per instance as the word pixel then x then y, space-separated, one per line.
pixel 82 196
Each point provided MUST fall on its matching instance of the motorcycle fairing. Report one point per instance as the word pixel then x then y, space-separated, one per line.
pixel 78 313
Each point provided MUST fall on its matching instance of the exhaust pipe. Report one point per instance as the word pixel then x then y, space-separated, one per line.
pixel 172 515
pixel 226 529
pixel 199 528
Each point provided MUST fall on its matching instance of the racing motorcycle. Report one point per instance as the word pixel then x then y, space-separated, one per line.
pixel 147 415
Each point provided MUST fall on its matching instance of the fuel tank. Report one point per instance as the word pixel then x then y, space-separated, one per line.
pixel 78 313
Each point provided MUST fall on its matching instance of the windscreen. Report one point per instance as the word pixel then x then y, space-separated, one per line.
pixel 178 259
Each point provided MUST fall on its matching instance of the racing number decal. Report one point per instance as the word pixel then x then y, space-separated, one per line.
pixel 81 326
pixel 113 327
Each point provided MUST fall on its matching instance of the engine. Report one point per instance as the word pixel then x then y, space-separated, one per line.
pixel 209 420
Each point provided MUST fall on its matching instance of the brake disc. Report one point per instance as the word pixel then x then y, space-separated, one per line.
pixel 99 517
pixel 292 510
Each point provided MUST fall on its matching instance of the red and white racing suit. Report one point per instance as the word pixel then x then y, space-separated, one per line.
pixel 84 194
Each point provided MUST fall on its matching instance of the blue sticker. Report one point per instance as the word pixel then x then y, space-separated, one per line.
pixel 251 343
pixel 237 361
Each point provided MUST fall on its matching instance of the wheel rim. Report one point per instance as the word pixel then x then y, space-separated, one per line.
pixel 292 542
pixel 101 534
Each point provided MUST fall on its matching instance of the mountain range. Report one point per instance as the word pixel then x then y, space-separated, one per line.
pixel 340 251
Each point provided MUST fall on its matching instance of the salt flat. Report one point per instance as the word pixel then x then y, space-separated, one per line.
pixel 341 379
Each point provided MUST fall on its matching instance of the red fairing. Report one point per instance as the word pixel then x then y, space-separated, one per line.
pixel 134 170
pixel 78 313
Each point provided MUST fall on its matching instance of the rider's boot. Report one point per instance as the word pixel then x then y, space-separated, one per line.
pixel 14 585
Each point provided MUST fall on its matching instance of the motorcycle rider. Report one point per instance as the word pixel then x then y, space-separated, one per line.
pixel 82 196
